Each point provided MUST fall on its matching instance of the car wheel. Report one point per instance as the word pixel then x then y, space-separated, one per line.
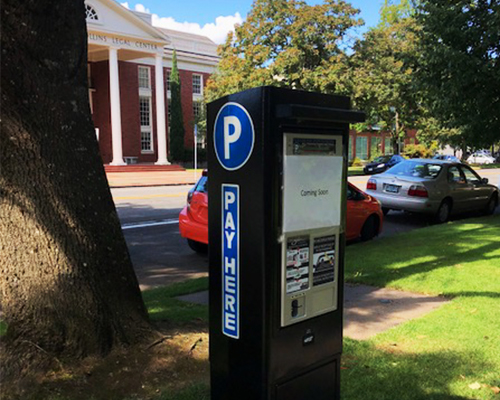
pixel 443 212
pixel 370 229
pixel 385 210
pixel 492 204
pixel 200 248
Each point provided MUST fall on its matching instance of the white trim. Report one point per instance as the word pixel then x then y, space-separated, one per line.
pixel 161 131
pixel 114 100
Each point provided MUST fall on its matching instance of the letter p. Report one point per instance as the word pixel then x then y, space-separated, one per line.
pixel 228 138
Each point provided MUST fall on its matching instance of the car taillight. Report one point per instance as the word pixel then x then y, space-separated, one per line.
pixel 418 191
pixel 371 185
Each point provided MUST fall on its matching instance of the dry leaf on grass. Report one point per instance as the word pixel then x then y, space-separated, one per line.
pixel 475 385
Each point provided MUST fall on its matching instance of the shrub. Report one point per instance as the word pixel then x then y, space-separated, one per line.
pixel 357 162
pixel 417 151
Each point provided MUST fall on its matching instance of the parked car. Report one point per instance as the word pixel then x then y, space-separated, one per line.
pixel 382 163
pixel 438 188
pixel 446 157
pixel 364 216
pixel 193 219
pixel 480 158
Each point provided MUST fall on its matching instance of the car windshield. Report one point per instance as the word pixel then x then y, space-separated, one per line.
pixel 417 169
pixel 382 159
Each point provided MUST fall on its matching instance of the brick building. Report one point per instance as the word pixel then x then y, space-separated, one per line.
pixel 365 145
pixel 129 62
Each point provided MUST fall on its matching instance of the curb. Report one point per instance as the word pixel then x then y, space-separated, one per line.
pixel 150 185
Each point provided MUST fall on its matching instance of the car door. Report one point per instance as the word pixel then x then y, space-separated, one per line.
pixel 356 213
pixel 459 190
pixel 479 192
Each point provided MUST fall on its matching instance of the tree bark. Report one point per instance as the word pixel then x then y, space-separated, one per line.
pixel 67 282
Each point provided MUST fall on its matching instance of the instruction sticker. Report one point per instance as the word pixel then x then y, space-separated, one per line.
pixel 323 260
pixel 297 264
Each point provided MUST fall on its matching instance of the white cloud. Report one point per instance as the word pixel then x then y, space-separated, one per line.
pixel 141 8
pixel 217 31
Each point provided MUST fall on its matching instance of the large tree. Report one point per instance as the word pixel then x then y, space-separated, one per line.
pixel 67 282
pixel 286 43
pixel 460 66
pixel 382 72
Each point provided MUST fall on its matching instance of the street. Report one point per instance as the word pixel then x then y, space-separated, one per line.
pixel 149 218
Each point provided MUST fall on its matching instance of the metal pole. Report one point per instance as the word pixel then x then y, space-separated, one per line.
pixel 195 150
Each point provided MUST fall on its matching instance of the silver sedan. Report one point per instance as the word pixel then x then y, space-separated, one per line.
pixel 438 188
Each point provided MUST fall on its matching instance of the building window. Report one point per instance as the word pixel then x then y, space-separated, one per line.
pixel 197 84
pixel 362 147
pixel 388 146
pixel 376 147
pixel 197 109
pixel 169 111
pixel 145 118
pixel 91 13
pixel 168 81
pixel 350 148
pixel 144 77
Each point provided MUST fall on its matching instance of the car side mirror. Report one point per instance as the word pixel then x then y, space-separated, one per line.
pixel 484 181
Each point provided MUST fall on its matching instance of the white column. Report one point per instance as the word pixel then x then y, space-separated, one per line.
pixel 160 112
pixel 116 121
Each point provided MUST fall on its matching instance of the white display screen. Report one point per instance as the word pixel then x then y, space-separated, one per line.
pixel 312 183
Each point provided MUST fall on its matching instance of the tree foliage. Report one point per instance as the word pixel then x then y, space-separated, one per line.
pixel 459 66
pixel 381 72
pixel 176 116
pixel 286 43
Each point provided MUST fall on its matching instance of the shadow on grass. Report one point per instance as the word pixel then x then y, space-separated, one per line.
pixel 420 254
pixel 163 306
pixel 387 374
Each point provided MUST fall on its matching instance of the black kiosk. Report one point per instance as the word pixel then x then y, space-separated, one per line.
pixel 277 162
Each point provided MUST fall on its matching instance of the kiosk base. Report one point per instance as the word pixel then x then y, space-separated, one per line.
pixel 318 384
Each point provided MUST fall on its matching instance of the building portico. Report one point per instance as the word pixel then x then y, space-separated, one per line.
pixel 129 63
pixel 116 34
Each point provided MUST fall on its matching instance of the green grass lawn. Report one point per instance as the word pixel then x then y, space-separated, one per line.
pixel 353 171
pixel 451 353
pixel 488 166
pixel 162 304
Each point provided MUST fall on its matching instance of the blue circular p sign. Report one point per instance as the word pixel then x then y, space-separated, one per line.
pixel 234 136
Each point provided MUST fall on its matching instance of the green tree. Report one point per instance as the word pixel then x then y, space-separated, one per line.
pixel 68 286
pixel 459 67
pixel 176 116
pixel 286 43
pixel 381 73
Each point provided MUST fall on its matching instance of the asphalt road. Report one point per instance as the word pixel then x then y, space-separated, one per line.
pixel 159 254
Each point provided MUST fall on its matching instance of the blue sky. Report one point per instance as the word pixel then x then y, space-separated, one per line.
pixel 214 18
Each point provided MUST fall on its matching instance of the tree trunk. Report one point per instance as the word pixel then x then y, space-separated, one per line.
pixel 395 142
pixel 68 285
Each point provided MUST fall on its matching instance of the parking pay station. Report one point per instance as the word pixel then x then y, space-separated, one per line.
pixel 277 165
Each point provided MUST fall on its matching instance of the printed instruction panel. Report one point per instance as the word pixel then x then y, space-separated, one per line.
pixel 323 260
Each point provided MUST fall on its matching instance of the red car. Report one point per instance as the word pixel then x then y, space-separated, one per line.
pixel 364 216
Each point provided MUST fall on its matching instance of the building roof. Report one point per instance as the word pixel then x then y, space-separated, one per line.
pixel 190 43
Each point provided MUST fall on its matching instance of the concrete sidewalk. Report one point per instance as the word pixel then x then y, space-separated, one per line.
pixel 369 310
pixel 152 178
